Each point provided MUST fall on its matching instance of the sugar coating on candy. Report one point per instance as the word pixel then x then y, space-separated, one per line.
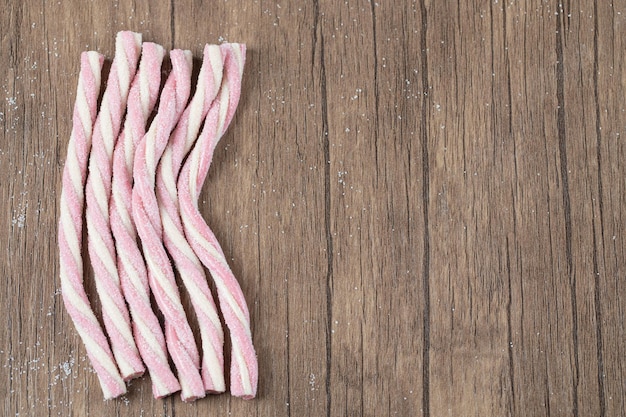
pixel 71 228
pixel 98 192
pixel 244 366
pixel 179 337
pixel 149 336
pixel 185 260
pixel 136 188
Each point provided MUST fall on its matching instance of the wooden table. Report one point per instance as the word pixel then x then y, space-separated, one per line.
pixel 423 201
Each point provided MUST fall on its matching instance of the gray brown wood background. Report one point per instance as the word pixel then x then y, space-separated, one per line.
pixel 423 201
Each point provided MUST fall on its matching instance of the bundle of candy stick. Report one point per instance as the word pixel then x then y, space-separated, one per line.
pixel 126 174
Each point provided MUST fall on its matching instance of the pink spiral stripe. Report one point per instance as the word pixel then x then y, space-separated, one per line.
pixel 186 262
pixel 71 228
pixel 149 337
pixel 244 367
pixel 98 192
pixel 179 337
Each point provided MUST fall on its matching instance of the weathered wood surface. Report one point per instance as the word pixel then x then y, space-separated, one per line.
pixel 422 200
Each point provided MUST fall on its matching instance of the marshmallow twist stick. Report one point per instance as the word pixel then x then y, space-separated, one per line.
pixel 71 228
pixel 149 337
pixel 244 367
pixel 179 337
pixel 187 263
pixel 98 192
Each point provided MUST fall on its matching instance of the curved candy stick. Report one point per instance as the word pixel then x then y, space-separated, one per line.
pixel 98 192
pixel 244 367
pixel 71 228
pixel 187 263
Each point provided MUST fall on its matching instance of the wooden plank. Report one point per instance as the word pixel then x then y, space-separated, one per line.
pixel 467 146
pixel 375 182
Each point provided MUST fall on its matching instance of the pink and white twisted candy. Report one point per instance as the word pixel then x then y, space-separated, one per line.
pixel 149 337
pixel 244 367
pixel 187 263
pixel 179 337
pixel 98 192
pixel 71 228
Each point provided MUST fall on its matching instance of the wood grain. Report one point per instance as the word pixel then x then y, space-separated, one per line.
pixel 423 202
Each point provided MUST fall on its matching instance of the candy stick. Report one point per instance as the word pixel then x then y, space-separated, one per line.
pixel 179 337
pixel 244 367
pixel 186 262
pixel 132 269
pixel 71 228
pixel 98 193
